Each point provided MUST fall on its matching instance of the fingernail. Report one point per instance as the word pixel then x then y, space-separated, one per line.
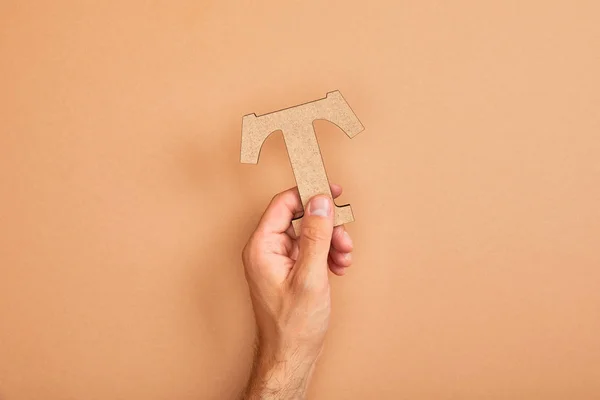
pixel 319 206
pixel 348 256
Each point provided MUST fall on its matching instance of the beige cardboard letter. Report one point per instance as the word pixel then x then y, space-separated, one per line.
pixel 296 123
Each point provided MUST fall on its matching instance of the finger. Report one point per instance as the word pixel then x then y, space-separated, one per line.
pixel 336 190
pixel 336 269
pixel 280 211
pixel 315 239
pixel 341 259
pixel 341 240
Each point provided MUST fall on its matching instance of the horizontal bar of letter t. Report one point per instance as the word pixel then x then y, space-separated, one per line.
pixel 296 123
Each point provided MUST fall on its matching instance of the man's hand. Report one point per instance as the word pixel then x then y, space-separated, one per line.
pixel 289 287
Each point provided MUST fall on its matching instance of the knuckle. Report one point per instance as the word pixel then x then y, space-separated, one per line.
pixel 245 252
pixel 246 255
pixel 250 251
pixel 276 198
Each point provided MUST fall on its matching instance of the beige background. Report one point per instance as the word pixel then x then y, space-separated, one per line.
pixel 476 188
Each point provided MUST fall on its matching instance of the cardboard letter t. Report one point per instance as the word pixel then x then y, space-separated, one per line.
pixel 296 123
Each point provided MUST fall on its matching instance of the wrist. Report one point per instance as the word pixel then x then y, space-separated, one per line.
pixel 279 374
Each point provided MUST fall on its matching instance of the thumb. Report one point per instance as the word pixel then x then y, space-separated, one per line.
pixel 315 236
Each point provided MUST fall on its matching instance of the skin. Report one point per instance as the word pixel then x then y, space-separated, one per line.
pixel 289 287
